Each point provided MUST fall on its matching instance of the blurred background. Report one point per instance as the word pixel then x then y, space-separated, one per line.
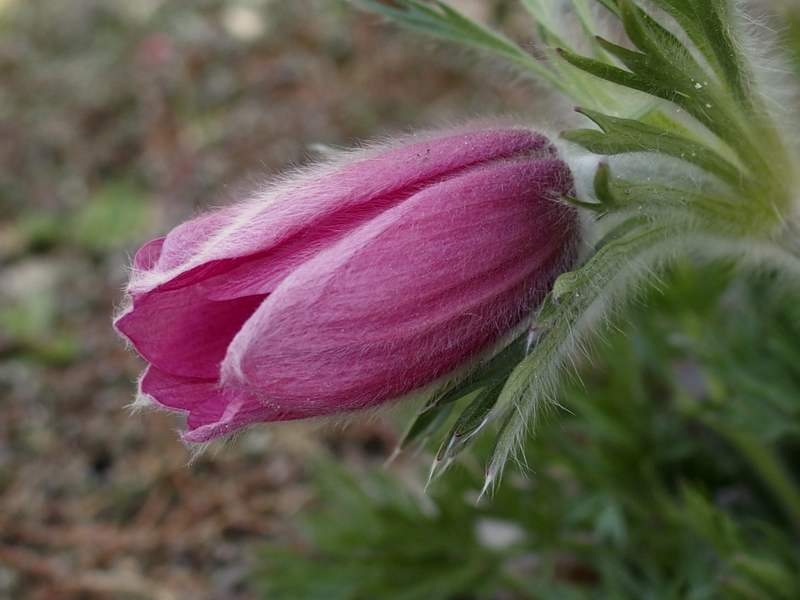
pixel 672 475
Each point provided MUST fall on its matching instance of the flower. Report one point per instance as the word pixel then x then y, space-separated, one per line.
pixel 353 284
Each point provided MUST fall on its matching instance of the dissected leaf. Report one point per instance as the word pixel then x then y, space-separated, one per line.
pixel 622 136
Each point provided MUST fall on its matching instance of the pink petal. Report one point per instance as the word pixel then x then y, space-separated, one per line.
pixel 183 332
pixel 213 410
pixel 329 198
pixel 248 249
pixel 410 295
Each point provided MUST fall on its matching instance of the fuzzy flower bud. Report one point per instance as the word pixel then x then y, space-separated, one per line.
pixel 351 285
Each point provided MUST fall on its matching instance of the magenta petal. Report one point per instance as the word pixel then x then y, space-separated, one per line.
pixel 186 287
pixel 409 296
pixel 147 256
pixel 183 332
pixel 213 410
pixel 282 214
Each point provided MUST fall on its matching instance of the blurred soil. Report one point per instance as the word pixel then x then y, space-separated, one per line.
pixel 119 119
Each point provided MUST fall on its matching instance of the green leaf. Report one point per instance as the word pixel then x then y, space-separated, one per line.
pixel 790 38
pixel 548 17
pixel 621 230
pixel 716 20
pixel 471 420
pixel 439 407
pixel 773 577
pixel 621 136
pixel 716 527
pixel 664 81
pixel 445 22
pixel 448 23
pixel 656 41
pixel 726 213
pixel 601 186
pixel 707 24
pixel 495 368
pixel 616 75
pixel 426 422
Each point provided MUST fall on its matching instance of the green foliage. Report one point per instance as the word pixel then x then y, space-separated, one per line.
pixel 487 380
pixel 674 475
pixel 742 145
pixel 621 136
pixel 362 547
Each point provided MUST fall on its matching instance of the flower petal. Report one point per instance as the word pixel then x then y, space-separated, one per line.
pixel 186 288
pixel 213 410
pixel 411 295
pixel 183 332
pixel 326 198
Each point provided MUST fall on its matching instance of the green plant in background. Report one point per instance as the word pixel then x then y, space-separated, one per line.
pixel 672 476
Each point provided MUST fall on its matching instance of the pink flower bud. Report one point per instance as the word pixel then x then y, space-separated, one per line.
pixel 352 285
